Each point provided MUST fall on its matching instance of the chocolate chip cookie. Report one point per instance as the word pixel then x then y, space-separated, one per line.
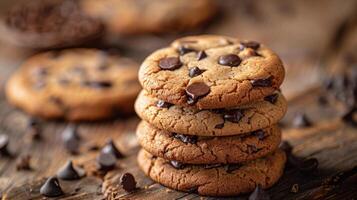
pixel 214 180
pixel 219 122
pixel 75 84
pixel 208 150
pixel 149 16
pixel 48 23
pixel 211 71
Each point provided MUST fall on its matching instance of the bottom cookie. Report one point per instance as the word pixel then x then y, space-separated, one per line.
pixel 214 180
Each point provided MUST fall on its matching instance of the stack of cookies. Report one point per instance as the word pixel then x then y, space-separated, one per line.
pixel 210 108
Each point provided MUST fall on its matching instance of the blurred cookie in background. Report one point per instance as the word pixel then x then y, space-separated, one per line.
pixel 150 16
pixel 48 24
pixel 75 85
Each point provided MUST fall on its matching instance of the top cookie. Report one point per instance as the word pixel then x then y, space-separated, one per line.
pixel 75 84
pixel 211 71
pixel 149 16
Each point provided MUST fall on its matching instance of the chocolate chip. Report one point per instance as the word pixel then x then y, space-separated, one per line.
pixel 201 55
pixel 234 115
pixel 232 167
pixel 23 163
pixel 196 91
pixel 4 143
pixel 266 82
pixel 186 138
pixel 177 164
pixel 252 149
pixel 272 98
pixel 111 148
pixel 322 100
pixel 183 50
pixel 259 194
pixel 128 183
pixel 229 60
pixel 349 117
pixel 170 63
pixel 51 188
pixel 71 139
pixel 251 44
pixel 260 134
pixel 69 172
pixel 106 161
pixel 195 71
pixel 286 146
pixel 301 120
pixel 163 104
pixel 40 72
pixel 219 126
pixel 211 166
pixel 98 84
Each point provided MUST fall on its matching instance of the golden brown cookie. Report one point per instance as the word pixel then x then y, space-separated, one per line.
pixel 74 84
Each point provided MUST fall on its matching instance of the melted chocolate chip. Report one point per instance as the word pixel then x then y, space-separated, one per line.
pixel 170 63
pixel 4 143
pixel 251 44
pixel 267 82
pixel 177 165
pixel 272 98
pixel 71 139
pixel 111 148
pixel 163 104
pixel 183 50
pixel 231 60
pixel 260 134
pixel 98 84
pixel 201 55
pixel 301 120
pixel 69 172
pixel 195 71
pixel 196 91
pixel 186 138
pixel 106 161
pixel 259 194
pixel 23 163
pixel 219 126
pixel 128 183
pixel 51 188
pixel 232 167
pixel 233 115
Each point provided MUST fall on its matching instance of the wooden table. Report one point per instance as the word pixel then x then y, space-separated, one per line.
pixel 313 39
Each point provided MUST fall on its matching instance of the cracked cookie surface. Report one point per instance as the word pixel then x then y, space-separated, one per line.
pixel 191 121
pixel 215 180
pixel 210 71
pixel 75 84
pixel 208 150
pixel 145 16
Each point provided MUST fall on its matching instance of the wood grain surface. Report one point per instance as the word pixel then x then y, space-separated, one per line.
pixel 314 38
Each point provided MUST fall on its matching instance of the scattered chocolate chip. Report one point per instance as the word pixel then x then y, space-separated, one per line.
pixel 260 134
pixel 259 194
pixel 251 44
pixel 272 98
pixel 163 104
pixel 4 143
pixel 219 126
pixel 34 129
pixel 98 84
pixel 106 161
pixel 170 63
pixel 111 148
pixel 286 146
pixel 183 50
pixel 177 164
pixel 128 183
pixel 229 60
pixel 295 188
pixel 196 91
pixel 266 82
pixel 211 166
pixel 234 115
pixel 186 138
pixel 349 117
pixel 301 120
pixel 23 162
pixel 195 71
pixel 69 172
pixel 71 139
pixel 232 167
pixel 201 55
pixel 51 188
